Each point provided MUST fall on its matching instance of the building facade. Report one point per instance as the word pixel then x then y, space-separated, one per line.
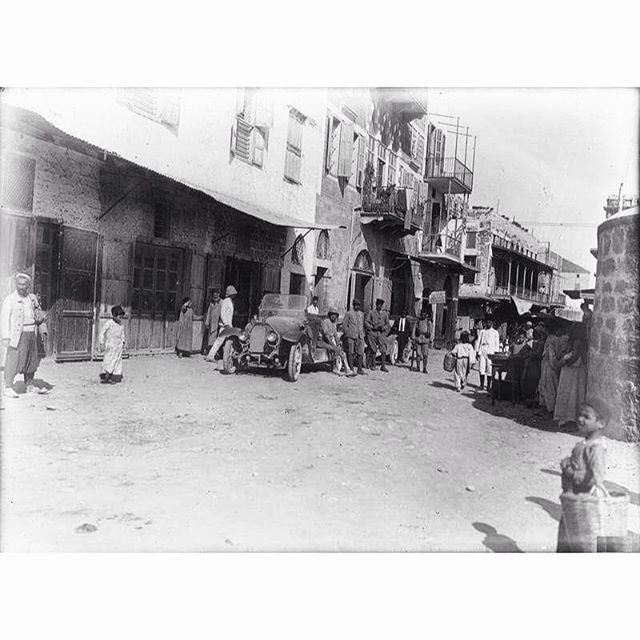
pixel 512 263
pixel 181 193
pixel 376 184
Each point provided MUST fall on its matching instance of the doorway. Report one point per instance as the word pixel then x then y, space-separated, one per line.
pixel 246 277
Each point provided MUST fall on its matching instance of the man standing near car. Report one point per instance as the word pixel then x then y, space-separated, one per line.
pixel 226 320
pixel 377 325
pixel 353 331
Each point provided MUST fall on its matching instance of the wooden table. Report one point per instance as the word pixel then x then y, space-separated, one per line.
pixel 502 365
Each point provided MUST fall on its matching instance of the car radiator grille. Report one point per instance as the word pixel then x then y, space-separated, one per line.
pixel 258 335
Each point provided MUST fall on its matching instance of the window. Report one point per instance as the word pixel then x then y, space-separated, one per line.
pixel 157 272
pixel 391 173
pixel 470 277
pixel 161 219
pixel 293 154
pixel 250 131
pixel 297 253
pixel 417 148
pixel 322 246
pixel 297 284
pixel 18 179
pixel 339 151
pixel 471 239
pixel 358 159
pixel 161 105
pixel 363 262
pixel 382 165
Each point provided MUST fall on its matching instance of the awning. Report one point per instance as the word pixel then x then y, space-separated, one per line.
pixel 577 294
pixel 522 306
pixel 448 261
pixel 30 118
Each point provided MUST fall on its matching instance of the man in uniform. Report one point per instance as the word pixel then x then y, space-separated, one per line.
pixel 377 325
pixel 422 339
pixel 21 321
pixel 353 331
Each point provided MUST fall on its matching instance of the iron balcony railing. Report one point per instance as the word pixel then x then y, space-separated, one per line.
pixel 394 201
pixel 449 168
pixel 441 243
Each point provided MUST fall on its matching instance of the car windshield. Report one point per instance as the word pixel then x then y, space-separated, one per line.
pixel 276 304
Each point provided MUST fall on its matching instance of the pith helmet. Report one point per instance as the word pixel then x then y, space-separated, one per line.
pixel 231 291
pixel 332 310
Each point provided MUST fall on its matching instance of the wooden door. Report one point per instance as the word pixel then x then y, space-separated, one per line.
pixel 17 236
pixel 79 267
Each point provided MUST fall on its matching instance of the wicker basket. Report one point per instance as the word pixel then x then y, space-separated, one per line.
pixel 449 362
pixel 589 517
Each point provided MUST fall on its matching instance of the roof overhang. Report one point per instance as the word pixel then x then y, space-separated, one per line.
pixel 448 261
pixel 41 126
pixel 580 294
pixel 517 254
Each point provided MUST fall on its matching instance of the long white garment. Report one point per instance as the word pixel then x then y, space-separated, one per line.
pixel 112 338
pixel 488 343
pixel 226 320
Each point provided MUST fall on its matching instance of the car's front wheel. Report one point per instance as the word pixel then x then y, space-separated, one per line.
pixel 229 353
pixel 294 364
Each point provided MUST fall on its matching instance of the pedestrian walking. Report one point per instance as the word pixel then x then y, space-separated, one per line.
pixel 353 332
pixel 212 319
pixel 330 341
pixel 23 331
pixel 184 331
pixel 112 342
pixel 465 354
pixel 422 338
pixel 377 326
pixel 487 344
pixel 554 347
pixel 225 321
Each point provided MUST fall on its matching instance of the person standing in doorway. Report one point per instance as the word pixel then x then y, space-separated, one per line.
pixel 226 321
pixel 184 333
pixel 212 318
pixel 112 346
pixel 422 338
pixel 377 326
pixel 404 333
pixel 313 308
pixel 353 328
pixel 21 325
pixel 487 344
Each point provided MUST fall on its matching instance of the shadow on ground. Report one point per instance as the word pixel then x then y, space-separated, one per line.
pixel 494 541
pixel 39 383
pixel 443 385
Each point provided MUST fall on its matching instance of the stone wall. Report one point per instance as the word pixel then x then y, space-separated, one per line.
pixel 614 352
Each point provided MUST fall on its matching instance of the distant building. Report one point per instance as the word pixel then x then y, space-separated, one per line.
pixel 572 277
pixel 511 262
pixel 614 204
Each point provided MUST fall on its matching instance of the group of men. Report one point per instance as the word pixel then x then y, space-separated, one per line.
pixel 366 335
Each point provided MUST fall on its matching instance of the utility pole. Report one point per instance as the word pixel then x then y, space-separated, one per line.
pixel 620 198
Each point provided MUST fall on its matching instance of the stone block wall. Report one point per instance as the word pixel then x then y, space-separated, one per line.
pixel 614 349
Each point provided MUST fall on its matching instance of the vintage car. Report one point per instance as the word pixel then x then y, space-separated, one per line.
pixel 282 336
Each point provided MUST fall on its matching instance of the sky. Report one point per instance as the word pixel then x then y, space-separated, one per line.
pixel 548 155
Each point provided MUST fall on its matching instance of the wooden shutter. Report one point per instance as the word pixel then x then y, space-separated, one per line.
pixel 345 150
pixel 241 139
pixel 171 109
pixel 18 179
pixel 259 146
pixel 292 165
pixel 271 279
pixel 263 116
pixel 361 161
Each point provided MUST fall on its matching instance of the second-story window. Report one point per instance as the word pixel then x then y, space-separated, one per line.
pixel 470 277
pixel 339 150
pixel 18 179
pixel 391 172
pixel 161 221
pixel 161 105
pixel 382 166
pixel 358 160
pixel 293 153
pixel 471 239
pixel 250 131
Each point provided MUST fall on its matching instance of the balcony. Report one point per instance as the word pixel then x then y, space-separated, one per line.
pixel 393 208
pixel 524 293
pixel 435 243
pixel 448 175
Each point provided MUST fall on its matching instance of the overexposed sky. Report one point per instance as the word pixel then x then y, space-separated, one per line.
pixel 548 155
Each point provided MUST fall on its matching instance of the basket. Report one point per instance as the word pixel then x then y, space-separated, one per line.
pixel 449 362
pixel 588 517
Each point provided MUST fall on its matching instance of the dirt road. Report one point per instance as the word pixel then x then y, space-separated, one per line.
pixel 182 458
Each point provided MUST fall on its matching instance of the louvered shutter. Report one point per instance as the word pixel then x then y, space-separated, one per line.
pixel 361 161
pixel 345 150
pixel 242 146
pixel 420 153
pixel 259 145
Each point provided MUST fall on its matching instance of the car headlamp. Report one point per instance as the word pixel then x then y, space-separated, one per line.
pixel 243 337
pixel 272 337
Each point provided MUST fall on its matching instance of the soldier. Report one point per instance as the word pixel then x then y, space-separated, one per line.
pixel 353 331
pixel 377 325
pixel 422 337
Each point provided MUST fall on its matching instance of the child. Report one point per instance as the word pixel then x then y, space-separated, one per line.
pixel 465 355
pixel 112 342
pixel 584 470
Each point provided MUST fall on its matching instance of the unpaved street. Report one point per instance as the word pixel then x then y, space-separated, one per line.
pixel 182 458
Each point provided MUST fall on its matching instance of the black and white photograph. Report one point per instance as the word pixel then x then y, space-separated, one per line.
pixel 319 320
pixel 356 319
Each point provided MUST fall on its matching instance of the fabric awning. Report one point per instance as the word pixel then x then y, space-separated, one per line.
pixel 522 306
pixel 577 294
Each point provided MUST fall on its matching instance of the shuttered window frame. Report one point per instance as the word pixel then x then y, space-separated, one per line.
pixel 293 151
pixel 18 173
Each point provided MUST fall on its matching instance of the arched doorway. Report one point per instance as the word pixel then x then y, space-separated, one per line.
pixel 361 280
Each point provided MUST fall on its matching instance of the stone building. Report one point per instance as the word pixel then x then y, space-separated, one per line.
pixel 384 179
pixel 614 348
pixel 511 263
pixel 179 193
